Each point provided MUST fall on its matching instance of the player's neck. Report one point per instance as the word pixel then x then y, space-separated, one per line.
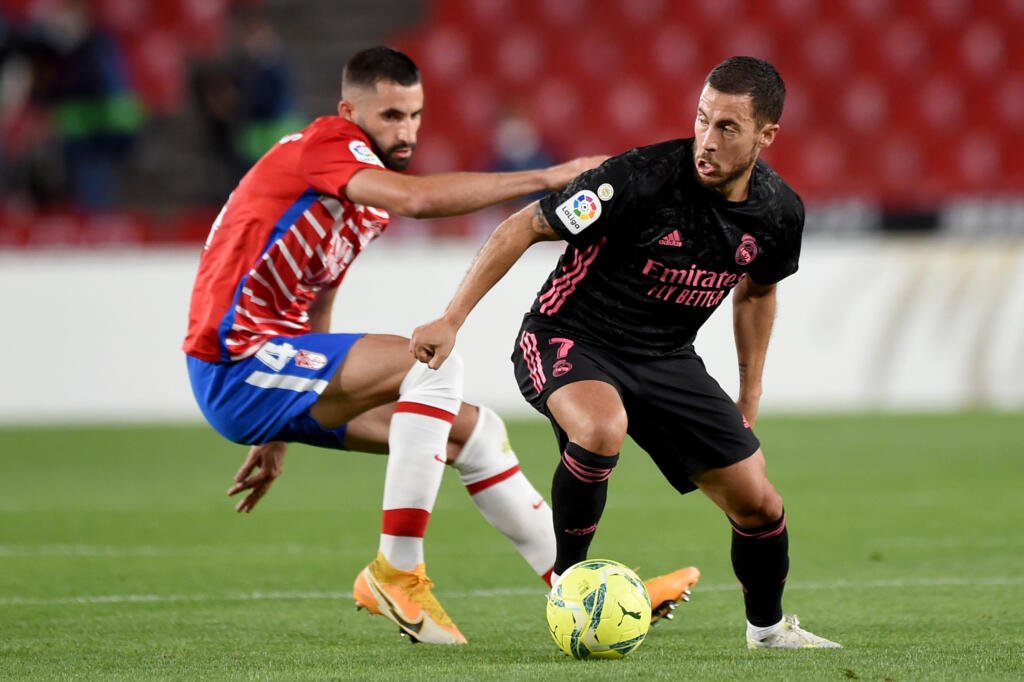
pixel 737 189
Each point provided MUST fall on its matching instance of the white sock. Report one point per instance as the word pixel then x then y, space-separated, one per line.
pixel 489 469
pixel 417 442
pixel 758 633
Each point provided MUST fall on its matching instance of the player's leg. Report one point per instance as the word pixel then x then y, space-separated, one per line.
pixel 376 371
pixel 591 416
pixel 489 469
pixel 479 449
pixel 760 542
pixel 566 381
pixel 760 551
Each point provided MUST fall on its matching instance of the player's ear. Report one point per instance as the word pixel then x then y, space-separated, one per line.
pixel 346 110
pixel 767 135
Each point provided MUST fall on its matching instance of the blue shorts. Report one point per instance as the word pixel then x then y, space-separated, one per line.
pixel 267 397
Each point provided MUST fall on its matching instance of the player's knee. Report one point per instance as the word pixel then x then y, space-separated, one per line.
pixel 600 434
pixel 441 388
pixel 759 510
pixel 487 452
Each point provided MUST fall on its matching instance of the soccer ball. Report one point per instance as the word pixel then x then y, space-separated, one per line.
pixel 598 609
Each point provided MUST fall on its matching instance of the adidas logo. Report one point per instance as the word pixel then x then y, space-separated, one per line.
pixel 671 239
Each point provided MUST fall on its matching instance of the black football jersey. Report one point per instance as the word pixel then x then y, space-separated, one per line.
pixel 651 253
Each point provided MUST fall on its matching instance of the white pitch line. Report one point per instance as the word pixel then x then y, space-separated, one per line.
pixel 478 594
pixel 159 551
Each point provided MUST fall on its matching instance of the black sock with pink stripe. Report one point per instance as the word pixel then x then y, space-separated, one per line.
pixel 578 494
pixel 760 559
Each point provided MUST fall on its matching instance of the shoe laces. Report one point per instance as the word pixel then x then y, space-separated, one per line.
pixel 792 621
pixel 420 581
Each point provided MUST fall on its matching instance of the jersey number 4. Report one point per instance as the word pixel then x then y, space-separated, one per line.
pixel 276 355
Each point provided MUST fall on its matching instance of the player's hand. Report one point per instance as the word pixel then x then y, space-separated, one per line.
pixel 564 173
pixel 263 464
pixel 432 343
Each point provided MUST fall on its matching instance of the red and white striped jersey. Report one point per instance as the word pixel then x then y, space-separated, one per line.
pixel 285 233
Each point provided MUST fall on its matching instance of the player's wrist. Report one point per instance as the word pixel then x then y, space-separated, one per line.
pixel 751 393
pixel 453 318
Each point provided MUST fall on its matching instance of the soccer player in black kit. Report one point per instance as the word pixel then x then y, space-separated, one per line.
pixel 657 238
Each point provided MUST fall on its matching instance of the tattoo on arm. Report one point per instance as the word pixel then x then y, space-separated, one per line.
pixel 539 224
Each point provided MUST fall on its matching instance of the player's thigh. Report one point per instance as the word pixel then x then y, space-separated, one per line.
pixel 743 491
pixel 685 421
pixel 369 377
pixel 570 382
pixel 268 396
pixel 591 414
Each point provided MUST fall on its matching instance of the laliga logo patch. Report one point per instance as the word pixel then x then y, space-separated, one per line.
pixel 363 153
pixel 747 250
pixel 311 360
pixel 579 211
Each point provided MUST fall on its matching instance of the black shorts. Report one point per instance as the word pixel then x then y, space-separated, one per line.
pixel 677 412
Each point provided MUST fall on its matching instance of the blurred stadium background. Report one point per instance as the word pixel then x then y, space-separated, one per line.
pixel 125 123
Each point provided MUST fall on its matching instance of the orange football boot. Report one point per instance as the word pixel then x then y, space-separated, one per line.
pixel 666 591
pixel 405 598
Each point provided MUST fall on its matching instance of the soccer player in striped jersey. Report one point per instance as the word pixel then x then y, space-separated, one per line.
pixel 266 371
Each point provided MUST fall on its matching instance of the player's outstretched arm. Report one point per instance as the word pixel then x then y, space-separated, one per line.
pixel 433 342
pixel 263 464
pixel 447 194
pixel 753 313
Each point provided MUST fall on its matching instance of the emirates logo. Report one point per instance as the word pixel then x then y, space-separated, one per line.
pixel 747 250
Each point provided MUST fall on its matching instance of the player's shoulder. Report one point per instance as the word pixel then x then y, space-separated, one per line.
pixel 660 156
pixel 653 166
pixel 333 134
pixel 333 129
pixel 781 201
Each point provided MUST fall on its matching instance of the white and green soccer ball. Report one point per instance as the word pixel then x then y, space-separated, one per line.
pixel 599 609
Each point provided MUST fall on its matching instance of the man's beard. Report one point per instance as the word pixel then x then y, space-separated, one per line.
pixel 395 163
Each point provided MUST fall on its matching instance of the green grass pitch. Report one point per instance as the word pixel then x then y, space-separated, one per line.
pixel 122 558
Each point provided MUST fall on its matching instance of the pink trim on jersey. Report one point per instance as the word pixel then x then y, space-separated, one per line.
pixel 563 287
pixel 474 488
pixel 528 343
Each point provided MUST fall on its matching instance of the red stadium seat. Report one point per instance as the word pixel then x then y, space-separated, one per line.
pixel 864 105
pixel 983 50
pixel 940 103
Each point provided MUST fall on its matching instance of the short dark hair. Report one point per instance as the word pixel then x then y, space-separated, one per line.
pixel 378 63
pixel 754 77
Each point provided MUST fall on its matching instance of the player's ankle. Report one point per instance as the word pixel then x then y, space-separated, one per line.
pixel 760 632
